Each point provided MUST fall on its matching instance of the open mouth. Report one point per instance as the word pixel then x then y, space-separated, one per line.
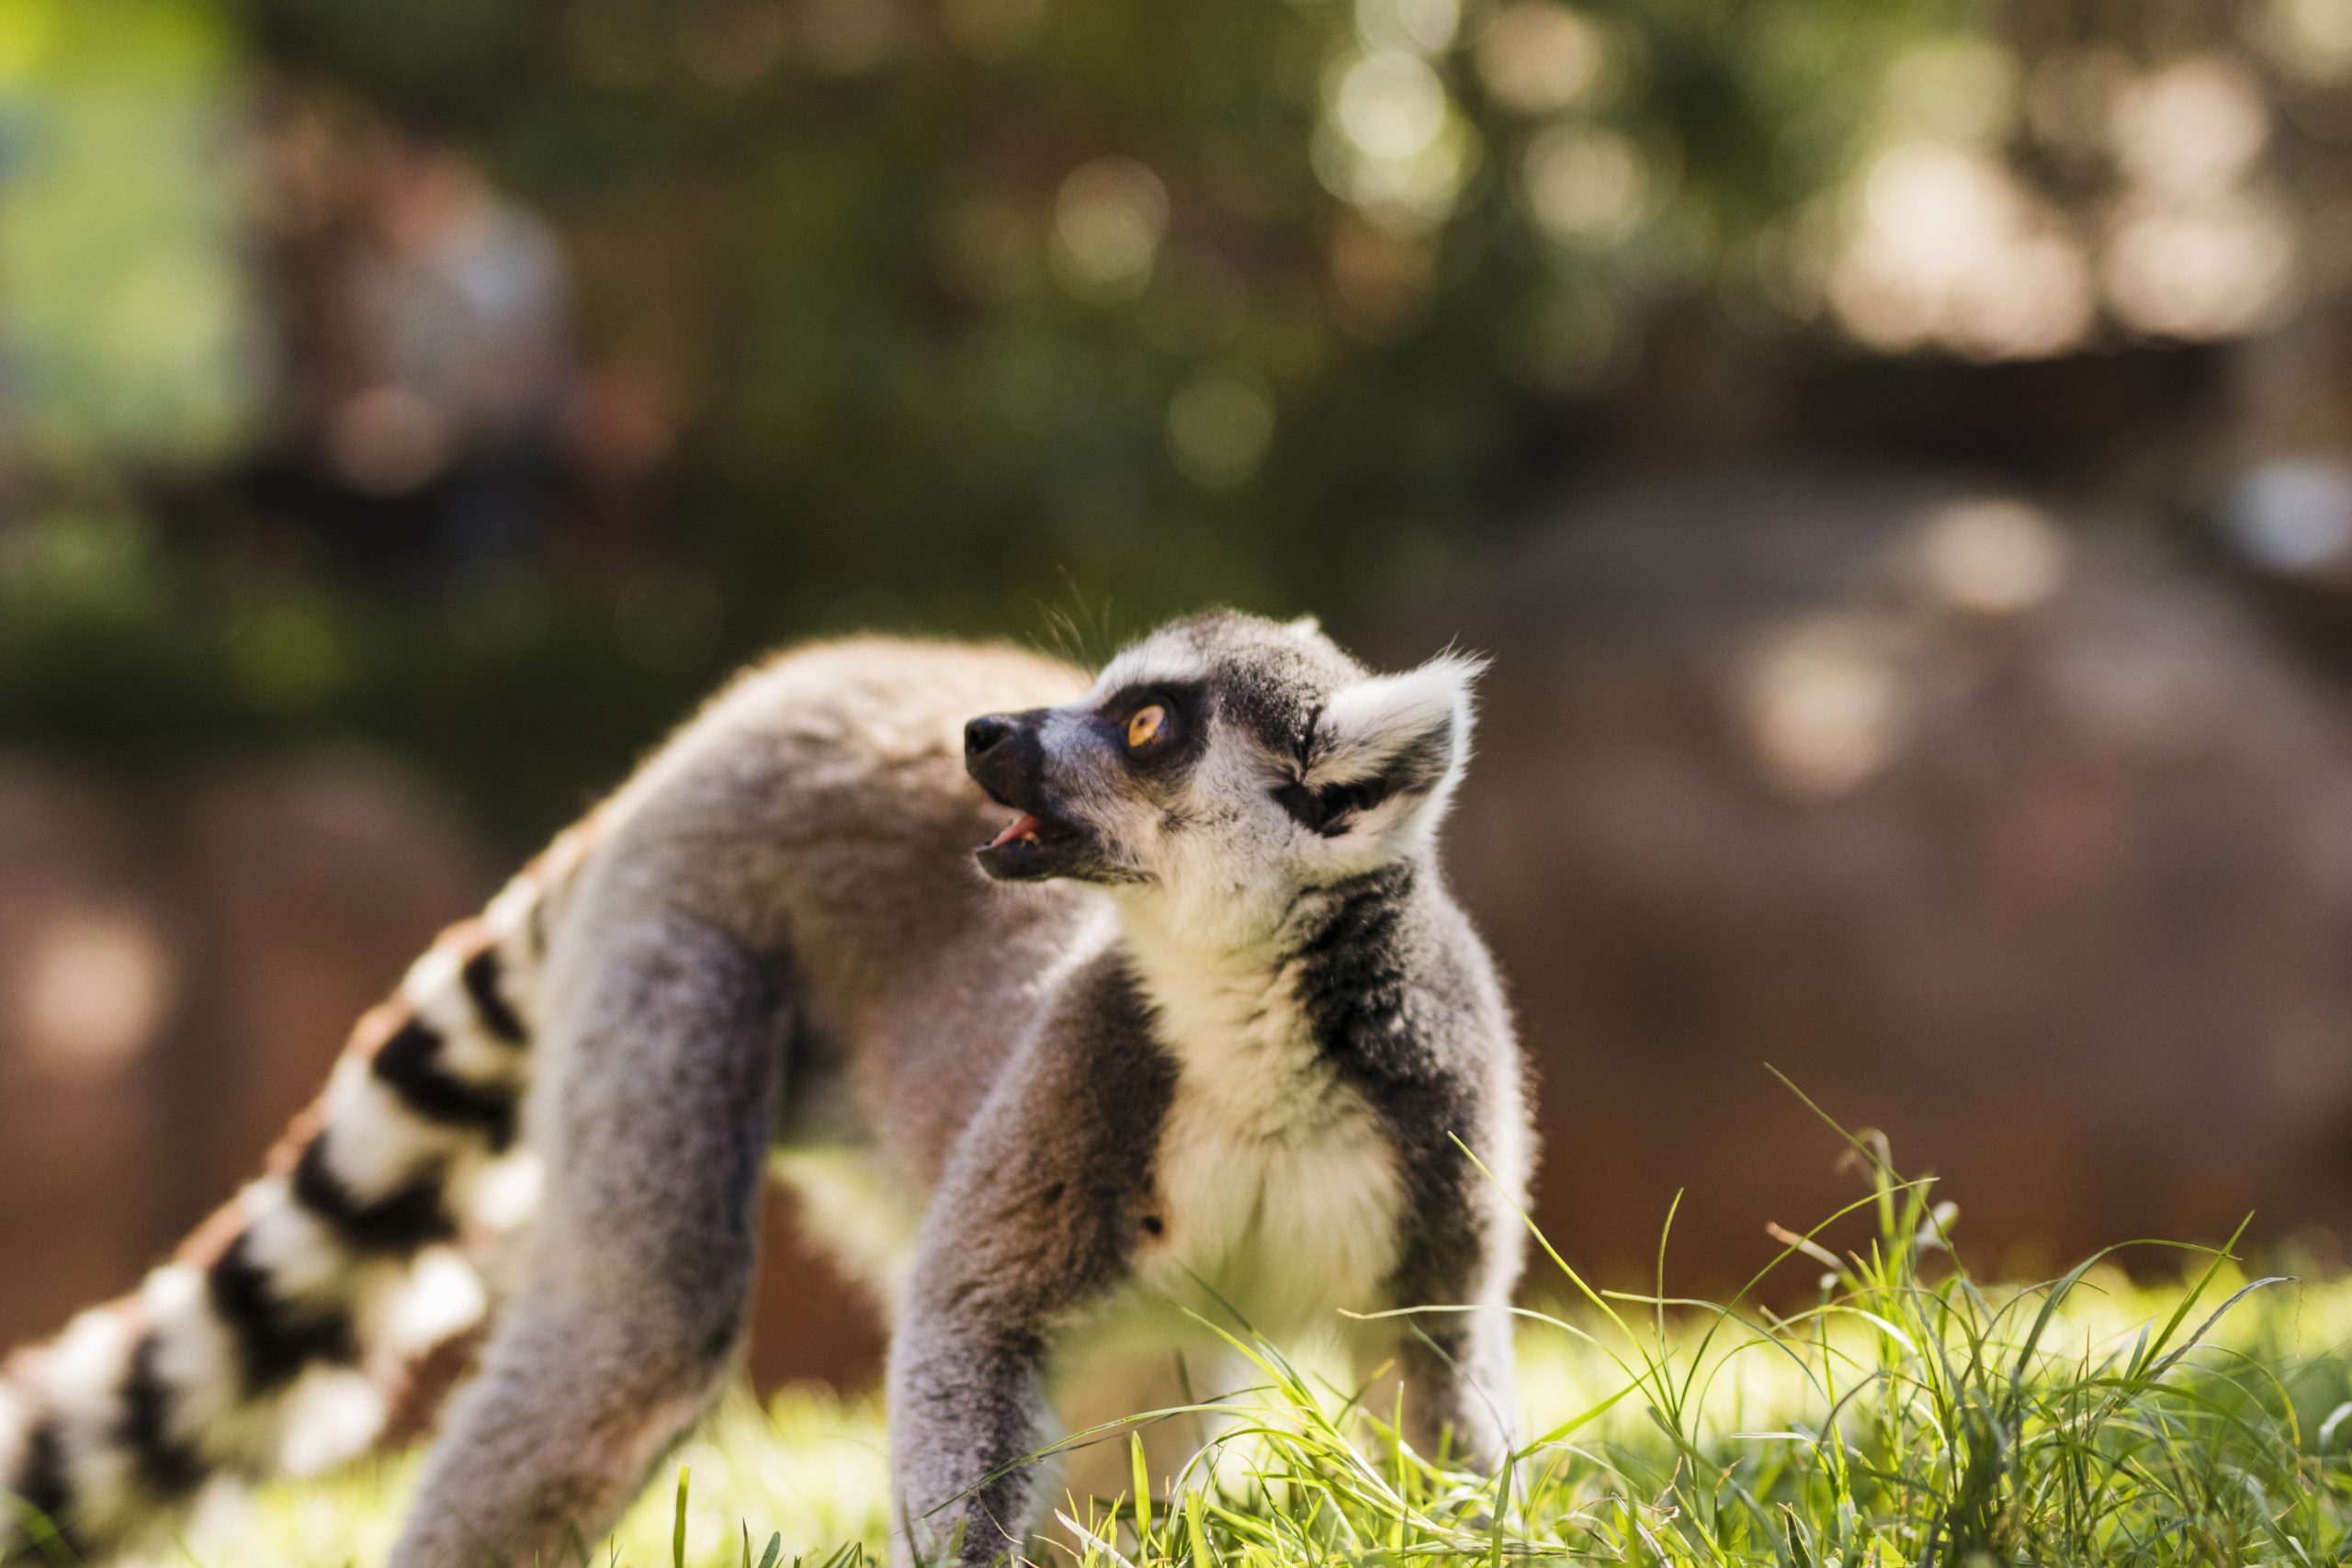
pixel 1028 829
pixel 1030 845
pixel 1006 758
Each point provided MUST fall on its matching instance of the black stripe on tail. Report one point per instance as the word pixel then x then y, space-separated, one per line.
pixel 169 1466
pixel 276 1340
pixel 480 975
pixel 410 1064
pixel 405 1221
pixel 43 1485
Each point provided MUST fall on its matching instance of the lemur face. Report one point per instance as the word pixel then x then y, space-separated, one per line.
pixel 1226 760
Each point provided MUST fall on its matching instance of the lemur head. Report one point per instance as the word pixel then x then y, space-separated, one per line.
pixel 1222 764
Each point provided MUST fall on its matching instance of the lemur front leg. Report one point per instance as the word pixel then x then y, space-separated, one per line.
pixel 1036 1221
pixel 1463 1246
pixel 653 1124
pixel 968 1411
pixel 1458 1374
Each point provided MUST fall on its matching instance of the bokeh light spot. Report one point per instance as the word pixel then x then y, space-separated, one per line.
pixel 1109 221
pixel 2312 39
pixel 2201 270
pixel 92 992
pixel 2292 515
pixel 1539 57
pixel 1953 251
pixel 1825 709
pixel 1991 555
pixel 1587 184
pixel 1220 425
pixel 1391 105
pixel 1390 142
pixel 2192 130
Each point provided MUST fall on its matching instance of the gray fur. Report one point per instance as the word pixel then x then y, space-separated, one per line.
pixel 632 1298
pixel 1219 1020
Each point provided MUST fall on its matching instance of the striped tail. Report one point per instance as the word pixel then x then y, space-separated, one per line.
pixel 280 1336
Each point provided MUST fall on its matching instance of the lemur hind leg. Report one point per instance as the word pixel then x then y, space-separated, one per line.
pixel 632 1300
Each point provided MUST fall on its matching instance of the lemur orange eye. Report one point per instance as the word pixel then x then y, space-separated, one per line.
pixel 1146 725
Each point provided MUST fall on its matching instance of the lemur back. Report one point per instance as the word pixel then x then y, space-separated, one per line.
pixel 1209 1005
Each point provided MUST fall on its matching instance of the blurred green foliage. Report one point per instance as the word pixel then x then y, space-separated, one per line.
pixel 130 333
pixel 971 311
pixel 916 336
pixel 526 695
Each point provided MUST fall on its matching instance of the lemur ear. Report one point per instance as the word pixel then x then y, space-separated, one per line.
pixel 1385 754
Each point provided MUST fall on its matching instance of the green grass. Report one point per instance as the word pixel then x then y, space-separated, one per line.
pixel 1909 1415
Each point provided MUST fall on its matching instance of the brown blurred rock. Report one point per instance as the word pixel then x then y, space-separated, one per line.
pixel 310 884
pixel 86 999
pixel 2010 834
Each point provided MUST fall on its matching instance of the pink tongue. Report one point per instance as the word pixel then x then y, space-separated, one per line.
pixel 1020 827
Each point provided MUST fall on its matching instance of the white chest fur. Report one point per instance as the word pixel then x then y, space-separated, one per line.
pixel 1276 1183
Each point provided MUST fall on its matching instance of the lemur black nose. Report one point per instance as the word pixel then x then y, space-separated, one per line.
pixel 984 732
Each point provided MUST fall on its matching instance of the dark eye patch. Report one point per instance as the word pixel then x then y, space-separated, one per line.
pixel 1187 733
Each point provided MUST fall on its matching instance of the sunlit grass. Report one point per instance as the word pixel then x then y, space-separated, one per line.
pixel 807 1468
pixel 1909 1415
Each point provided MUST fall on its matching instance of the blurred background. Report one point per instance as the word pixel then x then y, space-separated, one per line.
pixel 1897 452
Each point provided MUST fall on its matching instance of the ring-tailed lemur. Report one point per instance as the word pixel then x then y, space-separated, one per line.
pixel 1215 1042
